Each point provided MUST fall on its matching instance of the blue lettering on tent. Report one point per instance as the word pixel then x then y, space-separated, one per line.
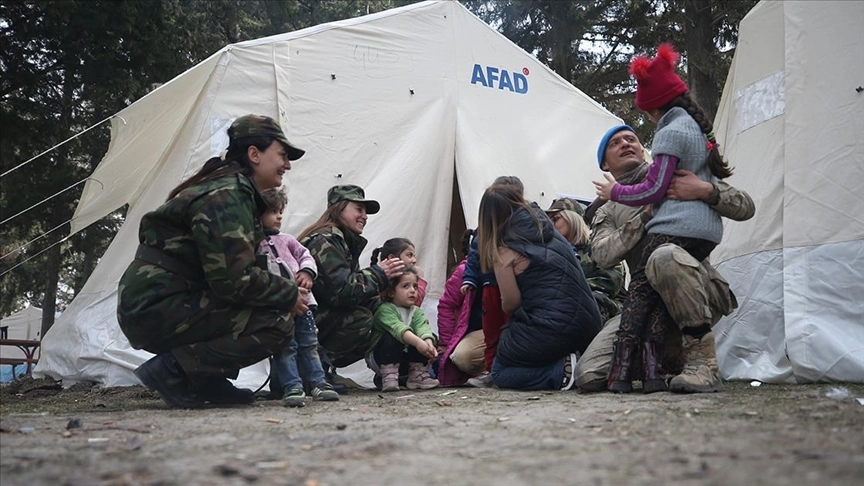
pixel 502 79
pixel 505 81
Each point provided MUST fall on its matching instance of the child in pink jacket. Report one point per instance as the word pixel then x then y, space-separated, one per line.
pixel 299 361
pixel 460 329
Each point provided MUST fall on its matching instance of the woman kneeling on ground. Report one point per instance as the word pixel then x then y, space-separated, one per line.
pixel 347 295
pixel 195 295
pixel 553 315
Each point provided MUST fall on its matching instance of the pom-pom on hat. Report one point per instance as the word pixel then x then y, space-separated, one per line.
pixel 656 81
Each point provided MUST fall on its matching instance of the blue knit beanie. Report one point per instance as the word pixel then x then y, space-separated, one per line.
pixel 601 149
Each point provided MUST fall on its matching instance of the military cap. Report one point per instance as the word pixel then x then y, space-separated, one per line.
pixel 351 193
pixel 565 203
pixel 263 126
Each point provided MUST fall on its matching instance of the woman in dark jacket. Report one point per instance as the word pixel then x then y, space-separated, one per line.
pixel 553 315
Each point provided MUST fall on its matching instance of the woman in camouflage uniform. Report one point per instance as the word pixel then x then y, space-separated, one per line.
pixel 347 295
pixel 606 284
pixel 195 295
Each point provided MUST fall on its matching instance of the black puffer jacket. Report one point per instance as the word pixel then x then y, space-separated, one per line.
pixel 558 315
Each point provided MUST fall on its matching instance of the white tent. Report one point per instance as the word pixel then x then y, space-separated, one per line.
pixel 404 103
pixel 24 324
pixel 791 121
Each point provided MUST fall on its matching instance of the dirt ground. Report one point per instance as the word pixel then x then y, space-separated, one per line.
pixel 784 435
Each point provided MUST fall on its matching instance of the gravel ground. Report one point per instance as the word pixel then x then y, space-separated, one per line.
pixel 771 434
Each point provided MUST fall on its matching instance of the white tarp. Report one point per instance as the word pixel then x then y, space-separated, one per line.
pixel 791 122
pixel 399 102
pixel 24 324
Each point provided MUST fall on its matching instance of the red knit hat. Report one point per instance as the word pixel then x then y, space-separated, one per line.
pixel 656 81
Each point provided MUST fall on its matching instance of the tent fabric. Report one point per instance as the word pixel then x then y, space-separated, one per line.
pixel 790 121
pixel 400 102
pixel 24 324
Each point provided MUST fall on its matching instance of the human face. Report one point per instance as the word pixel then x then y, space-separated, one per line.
pixel 623 153
pixel 561 224
pixel 272 219
pixel 353 217
pixel 405 293
pixel 409 256
pixel 269 165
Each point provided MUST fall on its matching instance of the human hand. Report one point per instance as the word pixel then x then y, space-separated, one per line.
pixel 419 271
pixel 648 210
pixel 426 349
pixel 392 267
pixel 687 186
pixel 304 280
pixel 464 289
pixel 300 307
pixel 604 189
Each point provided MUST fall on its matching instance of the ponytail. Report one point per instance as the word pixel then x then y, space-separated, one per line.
pixel 393 246
pixel 465 243
pixel 236 161
pixel 375 253
pixel 718 166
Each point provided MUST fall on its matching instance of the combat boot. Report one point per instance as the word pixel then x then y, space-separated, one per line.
pixel 419 379
pixel 623 354
pixel 701 374
pixel 220 391
pixel 652 374
pixel 390 377
pixel 164 375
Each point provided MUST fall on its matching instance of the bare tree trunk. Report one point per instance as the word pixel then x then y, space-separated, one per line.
pixel 52 264
pixel 701 55
pixel 52 277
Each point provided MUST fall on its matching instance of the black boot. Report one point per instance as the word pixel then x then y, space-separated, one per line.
pixel 652 373
pixel 623 354
pixel 164 375
pixel 220 391
pixel 330 371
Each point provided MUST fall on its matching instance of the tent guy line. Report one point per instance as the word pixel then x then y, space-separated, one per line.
pixel 73 137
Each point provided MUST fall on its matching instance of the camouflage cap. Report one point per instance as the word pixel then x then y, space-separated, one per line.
pixel 351 193
pixel 263 126
pixel 568 204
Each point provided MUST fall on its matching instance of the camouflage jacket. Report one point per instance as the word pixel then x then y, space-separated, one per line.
pixel 607 285
pixel 608 281
pixel 341 282
pixel 214 224
pixel 618 230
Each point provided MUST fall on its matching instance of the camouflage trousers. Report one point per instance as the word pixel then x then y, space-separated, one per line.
pixel 644 315
pixel 693 293
pixel 206 335
pixel 345 333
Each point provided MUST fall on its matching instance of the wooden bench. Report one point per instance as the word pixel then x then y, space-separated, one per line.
pixel 28 347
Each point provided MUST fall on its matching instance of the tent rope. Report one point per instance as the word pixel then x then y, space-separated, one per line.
pixel 48 198
pixel 61 143
pixel 34 256
pixel 34 239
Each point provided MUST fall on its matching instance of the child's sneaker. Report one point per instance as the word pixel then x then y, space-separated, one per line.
pixel 390 377
pixel 294 397
pixel 324 392
pixel 419 379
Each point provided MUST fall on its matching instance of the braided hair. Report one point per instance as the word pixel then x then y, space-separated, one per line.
pixel 718 166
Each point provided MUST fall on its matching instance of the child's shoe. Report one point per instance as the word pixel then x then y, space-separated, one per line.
pixel 294 397
pixel 324 392
pixel 419 379
pixel 390 377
